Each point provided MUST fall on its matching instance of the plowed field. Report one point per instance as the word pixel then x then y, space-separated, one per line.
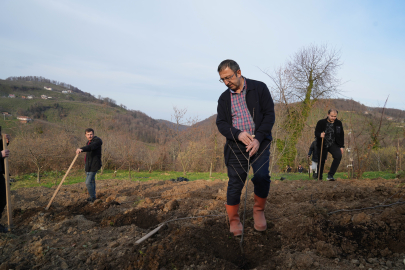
pixel 302 233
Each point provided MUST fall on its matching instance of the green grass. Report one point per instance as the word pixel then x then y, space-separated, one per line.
pixel 50 179
pixel 53 178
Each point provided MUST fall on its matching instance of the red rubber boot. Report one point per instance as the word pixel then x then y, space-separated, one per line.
pixel 258 214
pixel 234 220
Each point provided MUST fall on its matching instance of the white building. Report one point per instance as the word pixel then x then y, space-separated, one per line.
pixel 48 88
pixel 24 119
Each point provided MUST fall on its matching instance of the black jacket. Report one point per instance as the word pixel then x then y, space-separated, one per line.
pixel 313 151
pixel 93 155
pixel 338 129
pixel 261 108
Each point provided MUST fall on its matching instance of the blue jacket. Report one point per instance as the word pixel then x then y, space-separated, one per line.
pixel 261 108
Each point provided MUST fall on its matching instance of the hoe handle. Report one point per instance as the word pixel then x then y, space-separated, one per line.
pixel 320 161
pixel 61 182
pixel 7 178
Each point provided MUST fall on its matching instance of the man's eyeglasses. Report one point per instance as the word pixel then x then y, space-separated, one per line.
pixel 226 79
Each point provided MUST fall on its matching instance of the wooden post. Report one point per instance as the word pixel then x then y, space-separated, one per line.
pixel 397 159
pixel 61 182
pixel 7 178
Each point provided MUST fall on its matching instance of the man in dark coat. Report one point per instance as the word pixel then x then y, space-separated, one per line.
pixel 92 161
pixel 246 118
pixel 331 129
pixel 3 194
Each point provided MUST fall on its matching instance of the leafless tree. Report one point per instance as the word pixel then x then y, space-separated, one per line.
pixel 310 74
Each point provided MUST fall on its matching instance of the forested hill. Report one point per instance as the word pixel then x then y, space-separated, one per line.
pixel 67 105
pixel 351 105
pixel 73 110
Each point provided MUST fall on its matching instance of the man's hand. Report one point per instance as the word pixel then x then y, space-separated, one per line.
pixel 78 151
pixel 245 137
pixel 322 134
pixel 253 147
pixel 5 153
pixel 341 150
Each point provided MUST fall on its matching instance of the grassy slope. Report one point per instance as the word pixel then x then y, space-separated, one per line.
pixel 51 179
pixel 78 109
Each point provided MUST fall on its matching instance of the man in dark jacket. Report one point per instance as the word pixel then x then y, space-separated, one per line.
pixel 92 161
pixel 246 118
pixel 3 195
pixel 331 129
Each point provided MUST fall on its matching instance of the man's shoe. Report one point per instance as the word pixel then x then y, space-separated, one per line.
pixel 234 220
pixel 330 178
pixel 258 214
pixel 3 229
pixel 90 199
pixel 315 176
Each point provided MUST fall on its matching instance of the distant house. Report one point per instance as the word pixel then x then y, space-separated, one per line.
pixel 48 88
pixel 67 91
pixel 49 97
pixel 24 119
pixel 30 97
pixel 23 97
pixel 11 96
pixel 389 118
pixel 6 113
pixel 44 97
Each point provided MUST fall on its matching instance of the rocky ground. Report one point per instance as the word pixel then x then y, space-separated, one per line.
pixel 302 232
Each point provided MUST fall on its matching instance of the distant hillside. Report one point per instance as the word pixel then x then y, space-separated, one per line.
pixel 46 82
pixel 75 109
pixel 172 125
pixel 346 105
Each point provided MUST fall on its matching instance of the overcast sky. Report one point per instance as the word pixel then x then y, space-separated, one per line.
pixel 153 55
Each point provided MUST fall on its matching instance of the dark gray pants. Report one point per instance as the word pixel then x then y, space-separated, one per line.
pixel 336 155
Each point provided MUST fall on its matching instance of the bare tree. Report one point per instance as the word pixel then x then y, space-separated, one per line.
pixel 310 74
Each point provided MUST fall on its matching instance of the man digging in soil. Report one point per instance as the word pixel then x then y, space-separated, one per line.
pixel 331 129
pixel 92 161
pixel 245 117
pixel 3 196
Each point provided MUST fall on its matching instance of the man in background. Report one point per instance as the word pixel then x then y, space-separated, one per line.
pixel 92 161
pixel 3 194
pixel 331 129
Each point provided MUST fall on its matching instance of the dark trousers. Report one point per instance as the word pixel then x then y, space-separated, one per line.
pixel 337 157
pixel 237 172
pixel 3 194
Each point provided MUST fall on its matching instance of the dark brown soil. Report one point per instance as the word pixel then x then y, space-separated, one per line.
pixel 302 232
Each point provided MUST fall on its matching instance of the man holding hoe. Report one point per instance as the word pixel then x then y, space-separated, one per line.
pixel 92 161
pixel 329 131
pixel 245 117
pixel 3 197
